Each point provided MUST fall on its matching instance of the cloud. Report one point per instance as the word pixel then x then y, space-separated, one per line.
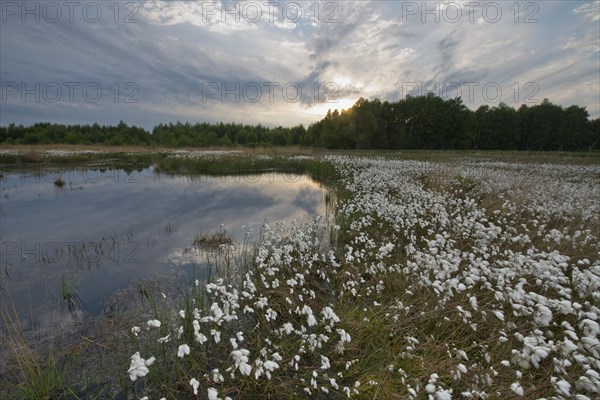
pixel 590 11
pixel 212 16
pixel 360 49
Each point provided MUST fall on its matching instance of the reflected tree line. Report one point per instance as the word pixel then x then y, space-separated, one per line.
pixel 421 122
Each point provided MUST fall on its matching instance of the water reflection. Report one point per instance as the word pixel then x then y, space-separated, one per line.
pixel 104 229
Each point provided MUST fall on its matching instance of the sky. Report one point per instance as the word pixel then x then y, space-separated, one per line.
pixel 287 62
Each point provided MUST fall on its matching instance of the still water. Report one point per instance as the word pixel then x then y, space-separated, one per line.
pixel 104 229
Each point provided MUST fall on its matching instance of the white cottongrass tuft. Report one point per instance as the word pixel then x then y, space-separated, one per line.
pixel 517 388
pixel 183 350
pixel 195 384
pixel 153 323
pixel 139 366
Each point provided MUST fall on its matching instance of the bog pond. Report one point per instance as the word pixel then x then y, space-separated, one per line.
pixel 68 245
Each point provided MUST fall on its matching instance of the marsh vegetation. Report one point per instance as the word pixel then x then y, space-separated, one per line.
pixel 435 277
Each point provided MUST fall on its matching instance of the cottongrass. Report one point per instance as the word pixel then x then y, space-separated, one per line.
pixel 473 280
pixel 196 154
pixel 68 153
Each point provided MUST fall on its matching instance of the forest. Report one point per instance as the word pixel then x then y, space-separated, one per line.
pixel 415 122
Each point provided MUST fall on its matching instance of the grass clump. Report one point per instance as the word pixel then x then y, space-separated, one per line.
pixel 212 242
pixel 31 374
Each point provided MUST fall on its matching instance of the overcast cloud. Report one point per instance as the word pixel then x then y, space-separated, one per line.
pixel 286 63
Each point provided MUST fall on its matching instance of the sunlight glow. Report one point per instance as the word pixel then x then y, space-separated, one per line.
pixel 320 109
pixel 342 81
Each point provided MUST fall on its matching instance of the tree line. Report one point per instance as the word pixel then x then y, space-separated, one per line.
pixel 416 122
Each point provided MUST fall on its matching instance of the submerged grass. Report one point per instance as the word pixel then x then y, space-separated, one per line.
pixel 69 297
